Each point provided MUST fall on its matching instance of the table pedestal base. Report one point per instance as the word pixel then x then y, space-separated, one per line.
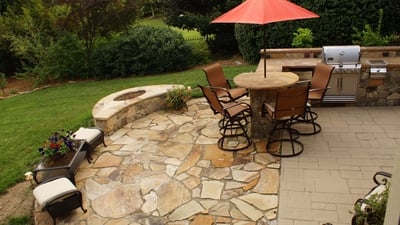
pixel 260 126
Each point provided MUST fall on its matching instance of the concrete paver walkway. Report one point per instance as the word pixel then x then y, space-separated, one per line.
pixel 337 165
pixel 166 169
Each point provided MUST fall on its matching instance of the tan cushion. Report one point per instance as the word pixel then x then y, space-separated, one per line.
pixel 88 134
pixel 50 190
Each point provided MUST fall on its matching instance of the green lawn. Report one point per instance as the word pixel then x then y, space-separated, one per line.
pixel 28 120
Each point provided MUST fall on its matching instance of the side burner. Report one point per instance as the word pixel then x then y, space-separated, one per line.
pixel 377 69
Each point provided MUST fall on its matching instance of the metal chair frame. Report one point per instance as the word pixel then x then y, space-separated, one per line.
pixel 319 85
pixel 289 103
pixel 235 118
pixel 222 87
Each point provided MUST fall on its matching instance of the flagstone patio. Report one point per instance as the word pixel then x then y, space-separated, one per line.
pixel 166 169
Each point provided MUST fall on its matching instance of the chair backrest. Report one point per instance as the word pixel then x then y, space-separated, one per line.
pixel 320 80
pixel 291 101
pixel 215 76
pixel 212 99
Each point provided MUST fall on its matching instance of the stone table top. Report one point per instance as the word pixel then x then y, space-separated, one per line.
pixel 273 80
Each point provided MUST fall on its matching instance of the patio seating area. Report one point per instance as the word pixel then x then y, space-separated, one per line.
pixel 166 168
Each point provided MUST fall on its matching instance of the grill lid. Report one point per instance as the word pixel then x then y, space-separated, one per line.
pixel 341 55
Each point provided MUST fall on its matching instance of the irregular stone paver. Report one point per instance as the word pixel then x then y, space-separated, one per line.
pixel 203 220
pixel 185 211
pixel 119 202
pixel 244 176
pixel 263 202
pixel 248 210
pixel 269 182
pixel 211 189
pixel 153 182
pixel 107 160
pixel 150 202
pixel 192 159
pixel 170 196
pixel 166 169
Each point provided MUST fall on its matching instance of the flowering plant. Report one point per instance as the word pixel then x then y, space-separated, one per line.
pixel 59 143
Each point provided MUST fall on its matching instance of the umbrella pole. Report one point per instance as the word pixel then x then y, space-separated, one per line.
pixel 265 53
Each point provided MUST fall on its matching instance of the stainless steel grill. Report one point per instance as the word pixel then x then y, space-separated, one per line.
pixel 344 82
pixel 345 58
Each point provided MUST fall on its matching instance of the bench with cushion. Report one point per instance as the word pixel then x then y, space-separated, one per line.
pixel 93 137
pixel 58 197
pixel 381 180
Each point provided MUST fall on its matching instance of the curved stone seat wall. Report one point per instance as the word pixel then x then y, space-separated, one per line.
pixel 120 108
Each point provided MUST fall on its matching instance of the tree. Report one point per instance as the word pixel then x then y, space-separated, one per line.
pixel 27 32
pixel 92 19
pixel 197 15
pixel 148 7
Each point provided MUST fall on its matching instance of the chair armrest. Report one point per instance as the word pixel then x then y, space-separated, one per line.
pixel 219 88
pixel 267 108
pixel 317 89
pixel 381 177
pixel 228 94
pixel 234 104
pixel 303 81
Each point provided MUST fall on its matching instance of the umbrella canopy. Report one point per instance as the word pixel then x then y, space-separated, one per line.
pixel 263 12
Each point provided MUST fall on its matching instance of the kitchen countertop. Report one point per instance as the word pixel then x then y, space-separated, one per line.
pixel 277 64
pixel 392 62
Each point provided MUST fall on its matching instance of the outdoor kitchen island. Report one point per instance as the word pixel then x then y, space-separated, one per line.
pixel 375 81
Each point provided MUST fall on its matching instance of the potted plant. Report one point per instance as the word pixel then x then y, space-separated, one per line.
pixel 177 98
pixel 57 146
pixel 371 211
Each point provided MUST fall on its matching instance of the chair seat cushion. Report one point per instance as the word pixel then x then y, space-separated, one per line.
pixel 238 92
pixel 51 190
pixel 376 190
pixel 88 134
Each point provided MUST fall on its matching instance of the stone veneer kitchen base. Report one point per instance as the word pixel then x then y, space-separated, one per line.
pixel 120 108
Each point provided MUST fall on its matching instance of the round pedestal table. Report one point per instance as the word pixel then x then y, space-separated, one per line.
pixel 263 89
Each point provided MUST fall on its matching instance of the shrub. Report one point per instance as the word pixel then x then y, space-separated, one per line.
pixel 368 37
pixel 200 51
pixel 66 58
pixel 250 41
pixel 303 38
pixel 142 50
pixel 177 98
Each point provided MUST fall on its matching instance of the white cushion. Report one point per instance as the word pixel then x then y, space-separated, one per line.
pixel 377 190
pixel 88 134
pixel 48 191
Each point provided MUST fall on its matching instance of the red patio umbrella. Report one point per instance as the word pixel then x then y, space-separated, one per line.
pixel 263 12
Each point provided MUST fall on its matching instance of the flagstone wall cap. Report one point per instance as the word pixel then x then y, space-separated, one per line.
pixel 108 106
pixel 292 50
